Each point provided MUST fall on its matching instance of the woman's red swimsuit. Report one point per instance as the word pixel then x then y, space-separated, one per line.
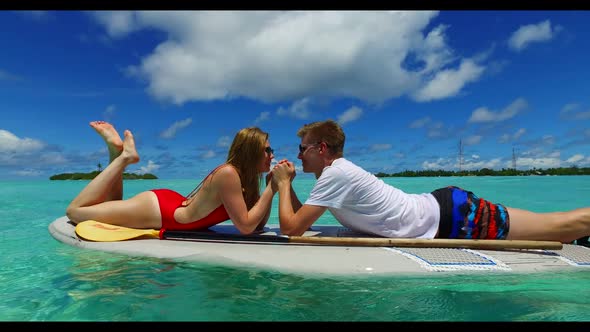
pixel 170 200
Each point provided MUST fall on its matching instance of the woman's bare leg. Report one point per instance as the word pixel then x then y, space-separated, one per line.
pixel 140 211
pixel 115 145
pixel 99 188
pixel 552 226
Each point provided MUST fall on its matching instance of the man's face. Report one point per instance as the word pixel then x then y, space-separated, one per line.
pixel 308 153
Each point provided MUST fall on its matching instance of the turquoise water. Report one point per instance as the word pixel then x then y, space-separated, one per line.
pixel 44 280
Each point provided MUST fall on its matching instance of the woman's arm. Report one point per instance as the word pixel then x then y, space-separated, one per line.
pixel 230 192
pixel 264 220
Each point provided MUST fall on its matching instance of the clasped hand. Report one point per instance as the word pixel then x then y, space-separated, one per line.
pixel 284 170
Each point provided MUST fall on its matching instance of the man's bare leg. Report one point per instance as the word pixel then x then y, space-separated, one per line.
pixel 115 145
pixel 550 226
pixel 96 191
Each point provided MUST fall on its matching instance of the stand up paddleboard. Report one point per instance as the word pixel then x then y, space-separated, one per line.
pixel 327 250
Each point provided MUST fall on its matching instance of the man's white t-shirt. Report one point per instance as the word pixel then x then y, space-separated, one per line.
pixel 364 203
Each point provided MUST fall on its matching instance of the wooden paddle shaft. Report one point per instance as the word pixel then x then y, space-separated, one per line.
pixel 428 243
pixel 97 231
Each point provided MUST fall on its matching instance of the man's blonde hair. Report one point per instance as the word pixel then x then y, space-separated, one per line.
pixel 328 131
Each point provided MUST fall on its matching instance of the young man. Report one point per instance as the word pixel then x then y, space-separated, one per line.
pixel 364 203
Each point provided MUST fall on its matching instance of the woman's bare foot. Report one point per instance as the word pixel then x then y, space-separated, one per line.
pixel 129 153
pixel 110 136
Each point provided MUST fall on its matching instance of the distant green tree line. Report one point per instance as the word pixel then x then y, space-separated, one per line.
pixel 574 170
pixel 92 175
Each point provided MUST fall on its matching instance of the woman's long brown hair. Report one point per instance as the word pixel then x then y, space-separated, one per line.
pixel 244 154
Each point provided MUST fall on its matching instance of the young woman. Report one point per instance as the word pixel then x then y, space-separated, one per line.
pixel 230 191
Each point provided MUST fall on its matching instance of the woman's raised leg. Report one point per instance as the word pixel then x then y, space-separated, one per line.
pixel 99 188
pixel 115 146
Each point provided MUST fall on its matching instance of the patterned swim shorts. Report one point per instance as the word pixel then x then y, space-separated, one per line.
pixel 463 215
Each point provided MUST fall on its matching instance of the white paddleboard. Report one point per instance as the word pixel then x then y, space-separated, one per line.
pixel 334 260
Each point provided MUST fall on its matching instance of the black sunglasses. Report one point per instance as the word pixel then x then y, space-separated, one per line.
pixel 269 150
pixel 303 148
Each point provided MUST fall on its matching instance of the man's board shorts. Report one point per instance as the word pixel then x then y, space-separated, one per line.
pixel 463 215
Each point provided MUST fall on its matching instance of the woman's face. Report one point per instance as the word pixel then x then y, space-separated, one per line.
pixel 264 165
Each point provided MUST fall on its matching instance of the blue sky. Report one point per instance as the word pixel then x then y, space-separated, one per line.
pixel 407 87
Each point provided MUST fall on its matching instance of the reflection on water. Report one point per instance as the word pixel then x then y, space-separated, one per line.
pixel 115 275
pixel 112 287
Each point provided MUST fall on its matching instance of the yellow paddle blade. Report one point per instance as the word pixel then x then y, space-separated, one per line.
pixel 97 231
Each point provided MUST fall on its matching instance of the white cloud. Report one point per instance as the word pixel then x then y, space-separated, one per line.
pixel 419 123
pixel 150 168
pixel 568 108
pixel 570 112
pixel 482 114
pixel 532 33
pixel 440 163
pixel 575 158
pixel 494 163
pixel 27 172
pixel 472 140
pixel 582 115
pixel 434 50
pixel 505 138
pixel 519 133
pixel 171 131
pixel 528 160
pixel 208 154
pixel 380 147
pixel 298 110
pixel 118 23
pixel 11 143
pixel 449 82
pixel 264 116
pixel 438 129
pixel 548 139
pixel 276 56
pixel 351 114
pixel 224 141
pixel 538 162
pixel 108 113
pixel 453 164
pixel 52 158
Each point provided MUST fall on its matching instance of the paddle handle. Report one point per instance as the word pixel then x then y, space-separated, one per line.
pixel 429 243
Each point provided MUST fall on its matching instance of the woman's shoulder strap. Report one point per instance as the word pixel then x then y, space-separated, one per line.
pixel 194 191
